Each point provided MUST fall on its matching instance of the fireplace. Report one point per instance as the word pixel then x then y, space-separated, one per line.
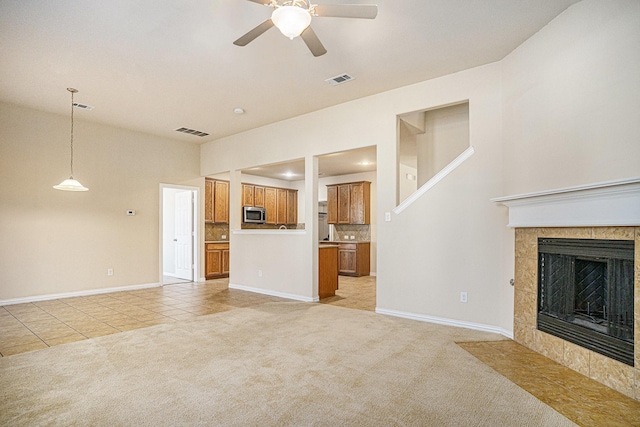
pixel 585 294
pixel 574 314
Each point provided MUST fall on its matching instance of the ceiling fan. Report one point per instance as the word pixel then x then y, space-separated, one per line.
pixel 293 19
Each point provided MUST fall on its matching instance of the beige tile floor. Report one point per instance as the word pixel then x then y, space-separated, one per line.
pixel 38 325
pixel 584 401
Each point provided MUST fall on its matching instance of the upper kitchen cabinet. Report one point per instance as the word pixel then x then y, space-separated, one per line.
pixel 216 201
pixel 281 204
pixel 349 203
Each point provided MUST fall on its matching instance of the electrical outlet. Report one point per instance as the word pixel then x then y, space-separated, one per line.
pixel 259 273
pixel 224 237
pixel 387 216
pixel 109 271
pixel 463 297
pixel 353 237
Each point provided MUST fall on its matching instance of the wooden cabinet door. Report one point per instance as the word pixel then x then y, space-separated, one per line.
pixel 292 207
pixel 347 261
pixel 225 261
pixel 360 203
pixel 213 263
pixel 270 204
pixel 344 204
pixel 281 206
pixel 258 196
pixel 248 195
pixel 332 204
pixel 221 202
pixel 208 200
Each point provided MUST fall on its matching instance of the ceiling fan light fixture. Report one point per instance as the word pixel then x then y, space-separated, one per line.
pixel 291 20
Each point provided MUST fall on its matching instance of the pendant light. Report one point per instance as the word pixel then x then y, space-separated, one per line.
pixel 71 184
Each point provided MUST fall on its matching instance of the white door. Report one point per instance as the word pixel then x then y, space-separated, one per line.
pixel 184 235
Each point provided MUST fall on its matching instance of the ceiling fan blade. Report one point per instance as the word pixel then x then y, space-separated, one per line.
pixel 364 11
pixel 265 2
pixel 313 42
pixel 253 34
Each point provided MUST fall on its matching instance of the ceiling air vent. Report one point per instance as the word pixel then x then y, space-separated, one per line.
pixel 342 78
pixel 191 132
pixel 84 107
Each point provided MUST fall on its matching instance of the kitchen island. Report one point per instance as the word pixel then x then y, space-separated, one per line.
pixel 327 270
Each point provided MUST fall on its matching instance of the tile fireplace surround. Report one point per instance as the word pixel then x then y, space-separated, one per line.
pixel 544 215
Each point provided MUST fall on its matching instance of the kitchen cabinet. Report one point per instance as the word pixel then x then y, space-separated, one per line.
pixel 216 262
pixel 216 201
pixel 248 195
pixel 258 196
pixel 281 204
pixel 270 205
pixel 292 207
pixel 349 203
pixel 354 259
pixel 332 204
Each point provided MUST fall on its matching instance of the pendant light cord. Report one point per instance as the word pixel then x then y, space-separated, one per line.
pixel 72 92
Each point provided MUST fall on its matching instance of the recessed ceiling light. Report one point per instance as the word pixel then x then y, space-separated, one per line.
pixel 365 163
pixel 289 174
pixel 238 110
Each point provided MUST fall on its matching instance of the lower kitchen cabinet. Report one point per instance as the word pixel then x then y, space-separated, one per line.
pixel 354 259
pixel 216 260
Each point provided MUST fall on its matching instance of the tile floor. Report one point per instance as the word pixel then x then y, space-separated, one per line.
pixel 38 325
pixel 584 401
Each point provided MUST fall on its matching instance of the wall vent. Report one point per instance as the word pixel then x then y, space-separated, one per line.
pixel 192 132
pixel 84 107
pixel 339 79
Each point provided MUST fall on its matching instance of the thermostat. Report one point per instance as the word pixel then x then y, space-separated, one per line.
pixel 131 212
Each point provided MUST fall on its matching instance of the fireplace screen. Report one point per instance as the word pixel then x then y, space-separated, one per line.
pixel 585 294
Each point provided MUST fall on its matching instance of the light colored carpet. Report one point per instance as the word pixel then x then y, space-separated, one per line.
pixel 278 364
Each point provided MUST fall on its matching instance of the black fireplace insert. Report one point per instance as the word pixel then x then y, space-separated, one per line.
pixel 585 294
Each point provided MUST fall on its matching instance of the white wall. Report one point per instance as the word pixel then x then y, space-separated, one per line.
pixel 445 137
pixel 571 100
pixel 571 92
pixel 461 209
pixel 59 242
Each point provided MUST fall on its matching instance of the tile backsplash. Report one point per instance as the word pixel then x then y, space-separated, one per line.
pixel 361 233
pixel 214 232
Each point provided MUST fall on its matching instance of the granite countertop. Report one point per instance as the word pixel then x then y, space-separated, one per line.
pixel 216 241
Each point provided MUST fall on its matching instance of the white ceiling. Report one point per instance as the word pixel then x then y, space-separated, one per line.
pixel 157 65
pixel 335 164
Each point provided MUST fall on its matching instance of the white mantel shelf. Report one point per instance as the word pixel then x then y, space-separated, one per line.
pixel 611 203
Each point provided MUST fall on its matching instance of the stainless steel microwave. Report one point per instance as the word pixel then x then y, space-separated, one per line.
pixel 254 215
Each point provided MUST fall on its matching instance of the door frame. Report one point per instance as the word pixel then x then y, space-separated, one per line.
pixel 195 228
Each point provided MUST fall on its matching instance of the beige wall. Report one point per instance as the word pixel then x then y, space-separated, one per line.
pixel 571 100
pixel 60 242
pixel 571 91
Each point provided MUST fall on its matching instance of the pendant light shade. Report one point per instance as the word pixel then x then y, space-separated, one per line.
pixel 71 184
pixel 291 20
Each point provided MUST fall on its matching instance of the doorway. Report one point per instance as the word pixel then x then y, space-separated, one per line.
pixel 179 231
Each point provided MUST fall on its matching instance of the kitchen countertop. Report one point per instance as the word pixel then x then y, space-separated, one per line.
pixel 216 241
pixel 343 241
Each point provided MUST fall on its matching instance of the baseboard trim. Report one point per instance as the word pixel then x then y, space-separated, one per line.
pixel 273 293
pixel 48 297
pixel 446 322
